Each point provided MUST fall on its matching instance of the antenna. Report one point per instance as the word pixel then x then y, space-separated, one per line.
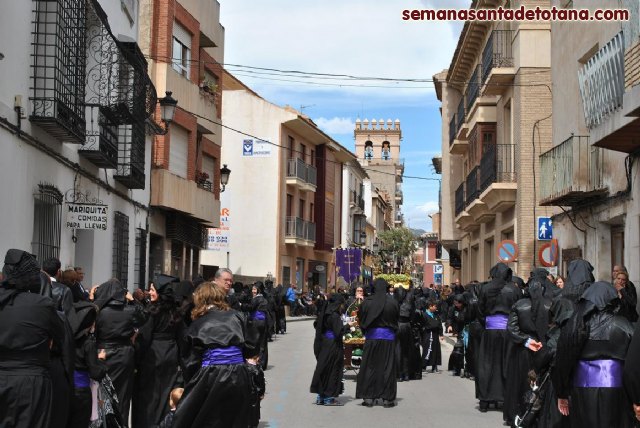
pixel 307 106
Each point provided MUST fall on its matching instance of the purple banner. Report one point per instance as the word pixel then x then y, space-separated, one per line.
pixel 348 262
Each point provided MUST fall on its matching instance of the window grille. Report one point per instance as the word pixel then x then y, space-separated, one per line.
pixel 47 222
pixel 121 247
pixel 141 255
pixel 58 66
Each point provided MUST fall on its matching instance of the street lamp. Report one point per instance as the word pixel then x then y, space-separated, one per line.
pixel 167 111
pixel 224 176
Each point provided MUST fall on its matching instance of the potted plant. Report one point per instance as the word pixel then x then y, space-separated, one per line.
pixel 201 177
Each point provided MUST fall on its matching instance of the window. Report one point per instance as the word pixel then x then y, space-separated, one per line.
pixel 386 150
pixel 47 222
pixel 312 162
pixel 181 49
pixel 289 205
pixel 209 168
pixel 301 209
pixel 178 151
pixel 303 153
pixel 311 213
pixel 141 255
pixel 292 145
pixel 368 150
pixel 121 247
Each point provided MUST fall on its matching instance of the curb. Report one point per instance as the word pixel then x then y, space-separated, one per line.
pixel 302 318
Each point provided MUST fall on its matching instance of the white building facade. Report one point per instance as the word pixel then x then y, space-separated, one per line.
pixel 73 122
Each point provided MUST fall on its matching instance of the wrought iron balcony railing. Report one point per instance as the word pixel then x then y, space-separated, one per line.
pixel 473 190
pixel 473 88
pixel 205 185
pixel 497 165
pixel 601 82
pixel 453 130
pixel 497 52
pixel 459 199
pixel 460 115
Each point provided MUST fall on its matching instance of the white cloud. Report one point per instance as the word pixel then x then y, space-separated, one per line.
pixel 352 37
pixel 417 216
pixel 336 125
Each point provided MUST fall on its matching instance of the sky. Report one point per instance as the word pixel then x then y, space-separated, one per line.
pixel 351 37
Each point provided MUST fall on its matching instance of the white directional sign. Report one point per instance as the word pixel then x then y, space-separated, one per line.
pixel 438 269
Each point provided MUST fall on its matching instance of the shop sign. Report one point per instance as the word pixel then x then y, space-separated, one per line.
pixel 87 216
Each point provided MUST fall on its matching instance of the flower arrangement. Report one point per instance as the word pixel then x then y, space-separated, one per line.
pixel 201 176
pixel 209 86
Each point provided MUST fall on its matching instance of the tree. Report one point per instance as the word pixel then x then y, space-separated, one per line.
pixel 398 244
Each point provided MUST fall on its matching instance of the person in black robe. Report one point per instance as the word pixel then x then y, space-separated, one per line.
pixel 268 293
pixel 579 278
pixel 157 355
pixel 544 362
pixel 183 295
pixel 379 316
pixel 495 302
pixel 116 328
pixel 30 326
pixel 404 339
pixel 281 318
pixel 458 324
pixel 527 329
pixel 217 381
pixel 326 382
pixel 87 364
pixel 476 328
pixel 590 360
pixel 257 309
pixel 432 351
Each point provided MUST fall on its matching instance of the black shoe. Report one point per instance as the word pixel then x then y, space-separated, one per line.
pixel 456 373
pixel 484 406
pixel 400 379
pixel 367 402
pixel 388 404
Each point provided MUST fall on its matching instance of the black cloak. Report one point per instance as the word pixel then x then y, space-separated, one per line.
pixel 327 377
pixel 29 324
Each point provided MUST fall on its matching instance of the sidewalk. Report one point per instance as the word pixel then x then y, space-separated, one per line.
pixel 300 318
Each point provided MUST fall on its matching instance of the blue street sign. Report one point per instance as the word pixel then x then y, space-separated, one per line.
pixel 247 148
pixel 437 278
pixel 545 229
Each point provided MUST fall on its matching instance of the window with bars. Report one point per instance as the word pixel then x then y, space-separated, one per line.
pixel 141 254
pixel 47 222
pixel 121 247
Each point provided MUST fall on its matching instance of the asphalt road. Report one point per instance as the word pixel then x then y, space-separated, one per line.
pixel 437 401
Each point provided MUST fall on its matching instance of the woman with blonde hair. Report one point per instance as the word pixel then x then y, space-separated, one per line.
pixel 217 381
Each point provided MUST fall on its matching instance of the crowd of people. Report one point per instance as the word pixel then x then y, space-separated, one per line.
pixel 548 352
pixel 176 354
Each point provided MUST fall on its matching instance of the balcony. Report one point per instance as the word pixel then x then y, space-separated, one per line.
pixel 473 89
pixel 459 199
pixel 101 144
pixel 300 232
pixel 175 193
pixel 459 144
pixel 301 175
pixel 477 209
pixel 571 173
pixel 472 186
pixel 498 184
pixel 208 13
pixel 497 63
pixel 399 197
pixel 356 201
pixel 58 68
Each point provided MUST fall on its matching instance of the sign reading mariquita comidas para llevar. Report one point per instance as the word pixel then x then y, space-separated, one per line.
pixel 87 216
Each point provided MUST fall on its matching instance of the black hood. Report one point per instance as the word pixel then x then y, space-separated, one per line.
pixel 579 279
pixel 161 283
pixel 560 312
pixel 600 295
pixel 375 303
pixel 84 315
pixel 21 271
pixel 501 271
pixel 110 292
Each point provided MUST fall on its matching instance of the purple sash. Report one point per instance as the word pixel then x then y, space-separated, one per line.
pixel 258 315
pixel 380 333
pixel 598 374
pixel 329 335
pixel 81 379
pixel 222 356
pixel 496 322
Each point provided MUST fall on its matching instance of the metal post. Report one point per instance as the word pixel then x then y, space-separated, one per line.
pixel 227 260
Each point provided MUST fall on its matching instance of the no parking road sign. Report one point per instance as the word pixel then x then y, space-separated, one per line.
pixel 507 251
pixel 548 254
